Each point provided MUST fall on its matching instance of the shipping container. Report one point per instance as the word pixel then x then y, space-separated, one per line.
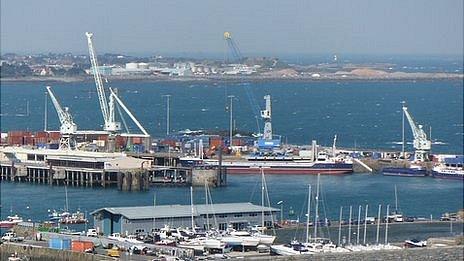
pixel 40 140
pixel 138 148
pixel 41 134
pixel 54 135
pixel 59 243
pixel 82 246
pixel 238 142
pixel 171 143
pixel 15 140
pixel 28 140
pixel 53 146
pixel 136 140
pixel 103 137
pixel 215 142
pixel 19 133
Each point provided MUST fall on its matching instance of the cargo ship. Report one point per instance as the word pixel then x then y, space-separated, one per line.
pixel 290 165
pixel 412 171
pixel 450 168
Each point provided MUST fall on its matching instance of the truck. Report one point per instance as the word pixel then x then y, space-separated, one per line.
pixel 12 237
pixel 92 232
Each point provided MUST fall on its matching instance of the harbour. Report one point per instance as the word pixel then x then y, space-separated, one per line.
pixel 117 148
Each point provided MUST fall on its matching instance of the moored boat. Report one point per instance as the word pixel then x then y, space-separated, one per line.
pixel 450 168
pixel 412 171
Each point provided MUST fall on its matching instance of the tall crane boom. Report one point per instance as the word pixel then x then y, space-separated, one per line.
pixel 421 143
pixel 67 124
pixel 267 115
pixel 107 109
pixel 68 127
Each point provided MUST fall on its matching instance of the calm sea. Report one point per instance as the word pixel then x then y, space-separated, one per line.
pixel 362 114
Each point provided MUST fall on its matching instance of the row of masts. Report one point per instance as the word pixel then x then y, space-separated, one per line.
pixel 358 232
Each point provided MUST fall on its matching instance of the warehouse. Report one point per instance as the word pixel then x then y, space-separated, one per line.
pixel 132 220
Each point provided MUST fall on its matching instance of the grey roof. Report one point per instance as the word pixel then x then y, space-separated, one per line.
pixel 168 211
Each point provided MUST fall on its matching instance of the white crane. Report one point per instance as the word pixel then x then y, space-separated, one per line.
pixel 266 115
pixel 107 108
pixel 68 128
pixel 421 144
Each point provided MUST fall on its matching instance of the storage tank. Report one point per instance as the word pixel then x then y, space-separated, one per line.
pixel 132 66
pixel 143 65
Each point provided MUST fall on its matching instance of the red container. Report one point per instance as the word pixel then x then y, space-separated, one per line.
pixel 82 246
pixel 19 133
pixel 28 140
pixel 15 140
pixel 216 143
pixel 54 135
pixel 238 142
pixel 120 141
pixel 41 134
pixel 40 140
pixel 136 140
pixel 171 143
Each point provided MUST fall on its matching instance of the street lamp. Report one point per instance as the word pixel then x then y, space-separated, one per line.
pixel 231 97
pixel 168 96
pixel 281 203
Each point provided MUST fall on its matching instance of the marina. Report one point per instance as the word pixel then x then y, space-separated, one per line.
pixel 178 158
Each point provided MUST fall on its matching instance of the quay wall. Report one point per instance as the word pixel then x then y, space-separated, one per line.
pixel 378 164
pixel 411 254
pixel 28 252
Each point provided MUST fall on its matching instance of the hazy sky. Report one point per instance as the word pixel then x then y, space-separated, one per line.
pixel 260 26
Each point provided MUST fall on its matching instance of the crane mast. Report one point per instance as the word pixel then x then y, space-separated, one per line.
pixel 68 128
pixel 421 144
pixel 107 109
pixel 266 115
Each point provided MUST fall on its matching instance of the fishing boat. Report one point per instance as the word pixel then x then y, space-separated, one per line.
pixel 10 221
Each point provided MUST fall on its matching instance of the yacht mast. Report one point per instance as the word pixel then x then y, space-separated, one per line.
pixel 191 205
pixel 262 199
pixel 359 223
pixel 365 224
pixel 340 226
pixel 316 215
pixel 309 211
pixel 349 226
pixel 378 225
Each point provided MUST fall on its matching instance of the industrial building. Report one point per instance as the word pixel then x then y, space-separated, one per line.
pixel 131 220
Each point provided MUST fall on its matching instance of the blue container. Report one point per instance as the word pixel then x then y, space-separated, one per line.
pixel 376 155
pixel 53 146
pixel 59 243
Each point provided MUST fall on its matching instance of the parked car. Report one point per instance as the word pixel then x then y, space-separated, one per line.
pixel 12 237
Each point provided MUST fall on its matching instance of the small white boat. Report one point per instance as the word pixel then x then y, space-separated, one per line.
pixel 133 239
pixel 117 237
pixel 294 248
pixel 264 239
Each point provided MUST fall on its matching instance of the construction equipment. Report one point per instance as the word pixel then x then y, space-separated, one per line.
pixel 233 48
pixel 266 115
pixel 68 128
pixel 107 108
pixel 421 143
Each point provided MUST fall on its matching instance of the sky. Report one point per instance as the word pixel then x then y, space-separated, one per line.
pixel 409 27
